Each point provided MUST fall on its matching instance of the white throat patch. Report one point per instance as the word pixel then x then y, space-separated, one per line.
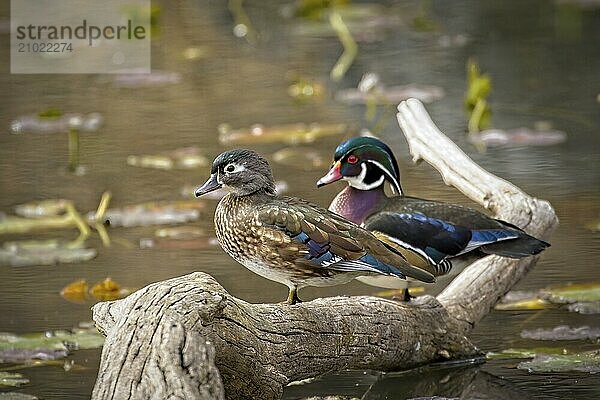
pixel 358 181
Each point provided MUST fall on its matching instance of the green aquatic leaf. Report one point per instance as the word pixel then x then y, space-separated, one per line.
pixel 12 379
pixel 26 253
pixel 16 396
pixel 582 362
pixel 581 298
pixel 562 332
pixel 51 112
pixel 524 353
pixel 572 293
pixel 48 345
pixel 525 304
pixel 152 213
pixel 43 208
pixel 182 158
pixel 315 9
pixel 583 307
pixel 293 134
pixel 479 87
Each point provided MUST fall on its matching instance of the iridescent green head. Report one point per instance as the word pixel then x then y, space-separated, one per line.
pixel 365 163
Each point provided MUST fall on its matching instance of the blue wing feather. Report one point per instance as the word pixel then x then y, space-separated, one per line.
pixel 437 238
pixel 320 254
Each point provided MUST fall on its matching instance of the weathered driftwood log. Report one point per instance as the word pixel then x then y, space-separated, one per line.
pixel 160 339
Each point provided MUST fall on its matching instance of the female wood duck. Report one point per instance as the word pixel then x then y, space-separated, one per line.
pixel 289 240
pixel 438 231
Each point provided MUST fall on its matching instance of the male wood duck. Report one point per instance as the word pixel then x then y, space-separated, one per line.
pixel 440 232
pixel 289 240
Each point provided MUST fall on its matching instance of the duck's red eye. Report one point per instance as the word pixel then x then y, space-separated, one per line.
pixel 352 159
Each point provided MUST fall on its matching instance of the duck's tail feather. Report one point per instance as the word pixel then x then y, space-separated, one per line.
pixel 523 246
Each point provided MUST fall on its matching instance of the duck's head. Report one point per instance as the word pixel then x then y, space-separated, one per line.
pixel 365 163
pixel 240 171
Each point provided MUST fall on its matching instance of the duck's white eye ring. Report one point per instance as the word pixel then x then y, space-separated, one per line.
pixel 231 168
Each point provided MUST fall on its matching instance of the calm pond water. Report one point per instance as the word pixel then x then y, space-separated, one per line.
pixel 543 57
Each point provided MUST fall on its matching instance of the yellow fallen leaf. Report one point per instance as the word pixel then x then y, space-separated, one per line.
pixel 527 304
pixel 76 292
pixel 106 290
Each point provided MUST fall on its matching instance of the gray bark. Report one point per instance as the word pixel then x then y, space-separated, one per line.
pixel 160 339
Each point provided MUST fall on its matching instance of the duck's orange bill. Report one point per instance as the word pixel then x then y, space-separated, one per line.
pixel 333 175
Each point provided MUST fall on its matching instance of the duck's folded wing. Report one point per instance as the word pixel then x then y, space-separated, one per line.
pixel 325 240
pixel 434 238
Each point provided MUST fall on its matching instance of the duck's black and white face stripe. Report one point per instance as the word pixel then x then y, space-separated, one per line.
pixel 228 171
pixel 366 180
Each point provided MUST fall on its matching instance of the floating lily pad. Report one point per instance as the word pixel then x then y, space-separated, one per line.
pixel 20 355
pixel 48 345
pixel 585 307
pixel 57 123
pixel 392 94
pixel 182 158
pixel 524 353
pixel 291 134
pixel 572 293
pixel 304 158
pixel 43 252
pixel 562 332
pixel 518 137
pixel 12 379
pixel 16 396
pixel 42 208
pixel 171 243
pixel 526 304
pixel 582 362
pixel 154 213
pixel 582 298
pixel 180 232
pixel 517 300
pixel 366 22
pixel 155 78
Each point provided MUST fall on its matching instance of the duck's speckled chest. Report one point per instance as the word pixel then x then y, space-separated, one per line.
pixel 267 251
pixel 231 225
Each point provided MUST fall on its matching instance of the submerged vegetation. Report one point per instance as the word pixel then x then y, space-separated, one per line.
pixel 479 87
